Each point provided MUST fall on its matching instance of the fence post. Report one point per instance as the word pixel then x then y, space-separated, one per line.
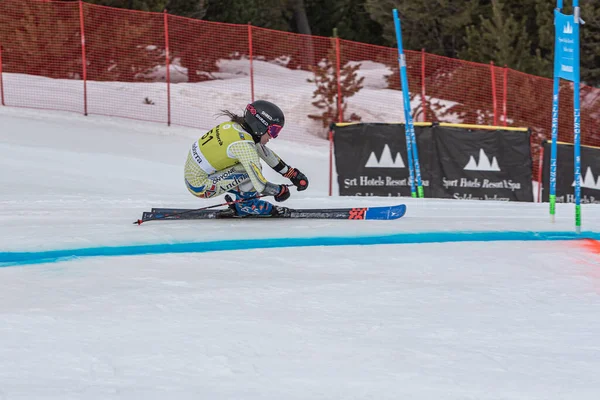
pixel 494 98
pixel 251 56
pixel 540 168
pixel 423 101
pixel 168 65
pixel 339 78
pixel 505 94
pixel 83 58
pixel 330 161
pixel 1 82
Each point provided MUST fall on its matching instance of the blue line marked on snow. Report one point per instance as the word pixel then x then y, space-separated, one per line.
pixel 8 259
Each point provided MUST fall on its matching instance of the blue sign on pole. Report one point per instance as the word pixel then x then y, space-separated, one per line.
pixel 566 44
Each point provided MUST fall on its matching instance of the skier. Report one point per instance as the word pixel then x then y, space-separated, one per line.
pixel 227 160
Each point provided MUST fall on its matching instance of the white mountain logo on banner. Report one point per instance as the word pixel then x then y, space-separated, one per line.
pixel 386 160
pixel 484 163
pixel 589 181
pixel 568 28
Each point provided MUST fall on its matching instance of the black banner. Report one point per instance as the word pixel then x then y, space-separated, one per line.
pixel 482 164
pixel 371 160
pixel 565 174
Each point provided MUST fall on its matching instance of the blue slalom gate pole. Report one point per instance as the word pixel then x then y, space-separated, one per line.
pixel 577 117
pixel 554 144
pixel 566 66
pixel 411 140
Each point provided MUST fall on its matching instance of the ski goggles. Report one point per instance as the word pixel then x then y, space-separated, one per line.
pixel 273 130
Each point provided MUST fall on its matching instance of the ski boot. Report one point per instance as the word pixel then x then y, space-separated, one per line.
pixel 253 207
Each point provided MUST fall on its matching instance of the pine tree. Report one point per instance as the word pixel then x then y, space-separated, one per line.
pixel 349 17
pixel 272 14
pixel 125 49
pixel 188 8
pixel 590 43
pixel 326 93
pixel 503 39
pixel 436 25
pixel 40 39
pixel 544 20
pixel 142 5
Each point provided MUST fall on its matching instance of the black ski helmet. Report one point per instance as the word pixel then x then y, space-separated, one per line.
pixel 264 117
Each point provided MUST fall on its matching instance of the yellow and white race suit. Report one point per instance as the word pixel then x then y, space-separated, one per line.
pixel 226 158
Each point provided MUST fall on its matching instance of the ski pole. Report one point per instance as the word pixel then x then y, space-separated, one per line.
pixel 139 221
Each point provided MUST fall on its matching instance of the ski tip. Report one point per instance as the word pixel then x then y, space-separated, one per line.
pixel 396 212
pixel 399 212
pixel 386 213
pixel 138 222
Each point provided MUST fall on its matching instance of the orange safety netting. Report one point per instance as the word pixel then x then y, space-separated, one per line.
pixel 163 68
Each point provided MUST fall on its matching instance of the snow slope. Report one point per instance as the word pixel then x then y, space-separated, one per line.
pixel 512 319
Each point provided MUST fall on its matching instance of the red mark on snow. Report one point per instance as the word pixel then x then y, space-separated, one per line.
pixel 591 245
pixel 591 261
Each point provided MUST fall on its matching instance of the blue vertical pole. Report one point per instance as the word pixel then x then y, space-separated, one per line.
pixel 554 144
pixel 577 117
pixel 411 140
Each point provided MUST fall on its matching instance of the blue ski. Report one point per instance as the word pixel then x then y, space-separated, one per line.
pixel 364 213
